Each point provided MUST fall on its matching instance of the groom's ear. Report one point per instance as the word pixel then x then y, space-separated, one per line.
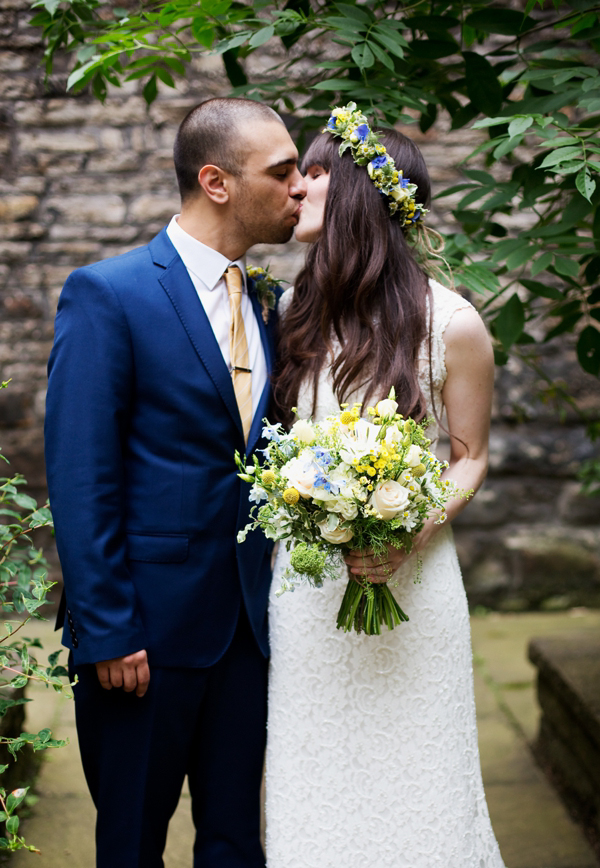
pixel 215 183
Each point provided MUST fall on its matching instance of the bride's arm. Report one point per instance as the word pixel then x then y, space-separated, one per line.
pixel 467 396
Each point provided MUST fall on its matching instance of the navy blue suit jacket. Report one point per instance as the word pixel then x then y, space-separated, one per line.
pixel 141 428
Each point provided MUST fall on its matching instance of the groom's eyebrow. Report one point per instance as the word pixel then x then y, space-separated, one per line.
pixel 289 161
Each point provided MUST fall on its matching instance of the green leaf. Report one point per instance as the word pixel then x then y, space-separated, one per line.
pixel 381 55
pixel 25 501
pixel 541 263
pixel 335 84
pixel 12 825
pixel 588 350
pixel 354 12
pixel 567 267
pixel 362 55
pixel 585 183
pixel 389 40
pixel 519 125
pixel 483 88
pixel 261 36
pixel 505 21
pixel 541 289
pixel 510 322
pixel 560 155
pixel 150 90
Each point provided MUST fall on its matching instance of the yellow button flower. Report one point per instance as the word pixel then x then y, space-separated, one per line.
pixel 268 477
pixel 347 417
pixel 291 496
pixel 419 470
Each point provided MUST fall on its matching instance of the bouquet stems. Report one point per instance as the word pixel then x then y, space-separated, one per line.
pixel 366 606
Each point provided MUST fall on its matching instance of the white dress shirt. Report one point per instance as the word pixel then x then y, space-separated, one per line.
pixel 206 268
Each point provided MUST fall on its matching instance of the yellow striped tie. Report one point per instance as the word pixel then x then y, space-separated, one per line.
pixel 241 374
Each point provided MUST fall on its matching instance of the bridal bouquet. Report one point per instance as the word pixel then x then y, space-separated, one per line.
pixel 341 484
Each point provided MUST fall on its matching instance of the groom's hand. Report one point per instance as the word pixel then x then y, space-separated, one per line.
pixel 130 673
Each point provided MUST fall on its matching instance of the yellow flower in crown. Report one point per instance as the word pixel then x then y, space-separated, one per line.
pixel 353 127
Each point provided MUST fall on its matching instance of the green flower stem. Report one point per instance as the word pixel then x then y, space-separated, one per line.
pixel 365 606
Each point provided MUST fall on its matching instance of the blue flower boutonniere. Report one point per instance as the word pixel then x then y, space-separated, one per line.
pixel 265 285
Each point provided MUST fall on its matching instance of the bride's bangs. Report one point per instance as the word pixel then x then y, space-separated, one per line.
pixel 321 152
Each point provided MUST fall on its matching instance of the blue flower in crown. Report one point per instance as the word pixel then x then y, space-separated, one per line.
pixel 379 162
pixel 351 125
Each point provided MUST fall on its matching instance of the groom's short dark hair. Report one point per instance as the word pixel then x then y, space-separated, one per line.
pixel 209 135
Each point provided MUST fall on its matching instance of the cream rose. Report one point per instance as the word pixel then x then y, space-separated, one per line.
pixel 301 475
pixel 413 456
pixel 390 498
pixel 303 431
pixel 339 535
pixel 387 407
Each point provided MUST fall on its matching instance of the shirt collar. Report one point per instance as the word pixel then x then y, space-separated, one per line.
pixel 204 262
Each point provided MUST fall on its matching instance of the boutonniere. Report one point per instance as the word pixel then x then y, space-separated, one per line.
pixel 265 285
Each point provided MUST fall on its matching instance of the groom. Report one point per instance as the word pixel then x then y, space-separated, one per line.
pixel 158 373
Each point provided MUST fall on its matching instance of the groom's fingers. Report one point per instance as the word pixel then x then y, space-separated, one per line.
pixel 130 672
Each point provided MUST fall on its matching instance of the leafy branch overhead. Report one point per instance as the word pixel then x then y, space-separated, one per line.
pixel 528 79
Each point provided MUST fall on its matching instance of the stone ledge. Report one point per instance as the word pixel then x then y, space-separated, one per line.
pixel 568 689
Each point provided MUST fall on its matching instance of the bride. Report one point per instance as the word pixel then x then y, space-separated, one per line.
pixel 372 756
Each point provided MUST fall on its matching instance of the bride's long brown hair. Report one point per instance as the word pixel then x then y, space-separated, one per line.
pixel 361 284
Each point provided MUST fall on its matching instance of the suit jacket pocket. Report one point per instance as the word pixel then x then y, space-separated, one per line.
pixel 157 548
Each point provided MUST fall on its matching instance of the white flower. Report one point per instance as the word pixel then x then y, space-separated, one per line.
pixel 303 431
pixel 301 473
pixel 392 436
pixel 346 508
pixel 413 455
pixel 360 442
pixel 338 535
pixel 399 194
pixel 411 519
pixel 390 498
pixel 257 494
pixel 387 407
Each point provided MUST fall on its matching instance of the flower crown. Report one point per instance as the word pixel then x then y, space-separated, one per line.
pixel 352 126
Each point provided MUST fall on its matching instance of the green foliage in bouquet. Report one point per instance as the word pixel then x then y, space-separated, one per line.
pixel 23 590
pixel 347 484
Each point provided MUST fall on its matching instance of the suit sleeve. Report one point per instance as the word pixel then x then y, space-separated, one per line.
pixel 88 406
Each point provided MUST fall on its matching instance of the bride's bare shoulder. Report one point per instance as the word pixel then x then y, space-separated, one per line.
pixel 284 301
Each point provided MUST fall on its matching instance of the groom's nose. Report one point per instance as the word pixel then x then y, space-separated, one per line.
pixel 298 185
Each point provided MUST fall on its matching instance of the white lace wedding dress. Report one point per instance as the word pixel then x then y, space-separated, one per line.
pixel 372 755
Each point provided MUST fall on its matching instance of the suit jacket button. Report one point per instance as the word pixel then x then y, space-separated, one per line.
pixel 75 641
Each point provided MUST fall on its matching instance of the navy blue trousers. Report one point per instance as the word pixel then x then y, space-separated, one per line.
pixel 208 724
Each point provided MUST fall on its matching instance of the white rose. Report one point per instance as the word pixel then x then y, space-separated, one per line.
pixel 390 498
pixel 387 407
pixel 392 436
pixel 339 535
pixel 301 475
pixel 413 456
pixel 303 431
pixel 399 194
pixel 346 508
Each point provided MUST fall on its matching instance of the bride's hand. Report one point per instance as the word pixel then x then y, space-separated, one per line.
pixel 380 568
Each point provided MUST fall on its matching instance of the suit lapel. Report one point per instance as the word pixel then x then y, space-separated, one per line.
pixel 176 282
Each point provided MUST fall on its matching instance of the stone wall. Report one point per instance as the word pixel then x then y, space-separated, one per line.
pixel 81 181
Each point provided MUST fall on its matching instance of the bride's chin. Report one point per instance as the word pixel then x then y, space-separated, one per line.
pixel 304 234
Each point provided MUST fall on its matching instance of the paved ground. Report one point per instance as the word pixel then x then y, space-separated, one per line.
pixel 531 824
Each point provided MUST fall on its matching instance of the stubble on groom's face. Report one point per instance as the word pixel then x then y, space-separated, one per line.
pixel 269 192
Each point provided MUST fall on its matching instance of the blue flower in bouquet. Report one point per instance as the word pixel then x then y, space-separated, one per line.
pixel 331 125
pixel 270 432
pixel 326 484
pixel 323 457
